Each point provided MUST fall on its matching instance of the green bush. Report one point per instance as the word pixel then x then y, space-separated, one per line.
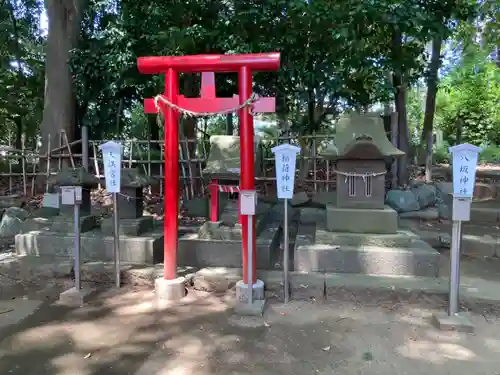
pixel 490 154
pixel 441 154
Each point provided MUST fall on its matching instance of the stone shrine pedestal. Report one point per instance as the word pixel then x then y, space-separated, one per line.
pixel 360 234
pixel 141 237
pixel 130 206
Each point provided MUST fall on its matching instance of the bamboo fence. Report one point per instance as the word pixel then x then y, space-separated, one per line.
pixel 148 155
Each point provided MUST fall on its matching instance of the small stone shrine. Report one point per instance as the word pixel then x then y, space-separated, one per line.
pixel 360 234
pixel 53 237
pixel 361 152
pixel 217 242
pixel 223 168
pixel 74 177
pixel 131 205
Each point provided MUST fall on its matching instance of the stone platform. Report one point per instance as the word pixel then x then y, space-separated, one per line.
pixel 218 244
pixel 95 245
pixel 402 253
pixel 361 220
pixel 214 245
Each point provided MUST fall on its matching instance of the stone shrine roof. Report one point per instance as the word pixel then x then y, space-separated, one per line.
pixel 132 177
pixel 357 129
pixel 73 177
pixel 224 158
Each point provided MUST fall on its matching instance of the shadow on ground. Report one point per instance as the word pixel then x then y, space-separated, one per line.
pixel 125 333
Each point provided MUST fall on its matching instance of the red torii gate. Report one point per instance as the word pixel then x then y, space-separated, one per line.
pixel 245 65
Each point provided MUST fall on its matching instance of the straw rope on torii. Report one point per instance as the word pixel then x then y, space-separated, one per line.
pixel 362 175
pixel 185 112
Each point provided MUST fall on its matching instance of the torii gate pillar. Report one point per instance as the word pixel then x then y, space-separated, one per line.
pixel 245 65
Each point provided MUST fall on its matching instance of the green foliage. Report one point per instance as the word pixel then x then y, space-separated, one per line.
pixel 335 55
pixel 441 155
pixel 21 69
pixel 469 96
pixel 490 154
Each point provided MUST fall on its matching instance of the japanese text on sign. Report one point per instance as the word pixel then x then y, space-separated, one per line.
pixel 464 174
pixel 286 156
pixel 111 152
pixel 111 164
pixel 285 174
pixel 465 158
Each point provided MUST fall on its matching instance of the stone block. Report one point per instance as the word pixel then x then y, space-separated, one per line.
pixel 306 235
pixel 12 221
pixel 361 254
pixel 217 231
pixel 65 223
pixel 430 213
pixel 242 291
pixel 299 198
pixel 445 192
pixel 485 191
pixel 311 215
pixel 94 246
pixel 458 322
pixel 399 239
pixel 74 297
pixel 128 227
pixel 170 290
pixel 324 198
pixel 254 309
pixel 199 252
pixel 130 203
pixel 361 220
pixel 484 215
pixel 483 246
pixel 217 279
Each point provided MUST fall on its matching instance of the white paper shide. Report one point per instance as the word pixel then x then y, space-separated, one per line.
pixel 464 158
pixel 285 160
pixel 112 157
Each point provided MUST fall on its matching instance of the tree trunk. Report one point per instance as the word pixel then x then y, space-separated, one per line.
pixel 400 104
pixel 63 32
pixel 430 104
pixel 229 124
pixel 20 78
pixel 154 132
pixel 458 134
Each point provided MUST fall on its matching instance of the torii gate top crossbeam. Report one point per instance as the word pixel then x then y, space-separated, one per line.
pixel 209 63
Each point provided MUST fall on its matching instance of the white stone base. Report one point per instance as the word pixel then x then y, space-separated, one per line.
pixel 170 290
pixel 74 297
pixel 457 322
pixel 257 291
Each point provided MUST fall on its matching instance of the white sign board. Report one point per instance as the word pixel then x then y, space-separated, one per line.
pixel 464 159
pixel 285 160
pixel 51 200
pixel 248 202
pixel 112 156
pixel 68 195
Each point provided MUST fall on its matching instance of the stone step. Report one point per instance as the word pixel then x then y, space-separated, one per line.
pixel 361 220
pixel 417 260
pixel 95 246
pixel 196 251
pixel 400 239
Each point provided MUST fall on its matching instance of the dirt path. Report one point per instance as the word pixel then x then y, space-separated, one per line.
pixel 360 333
